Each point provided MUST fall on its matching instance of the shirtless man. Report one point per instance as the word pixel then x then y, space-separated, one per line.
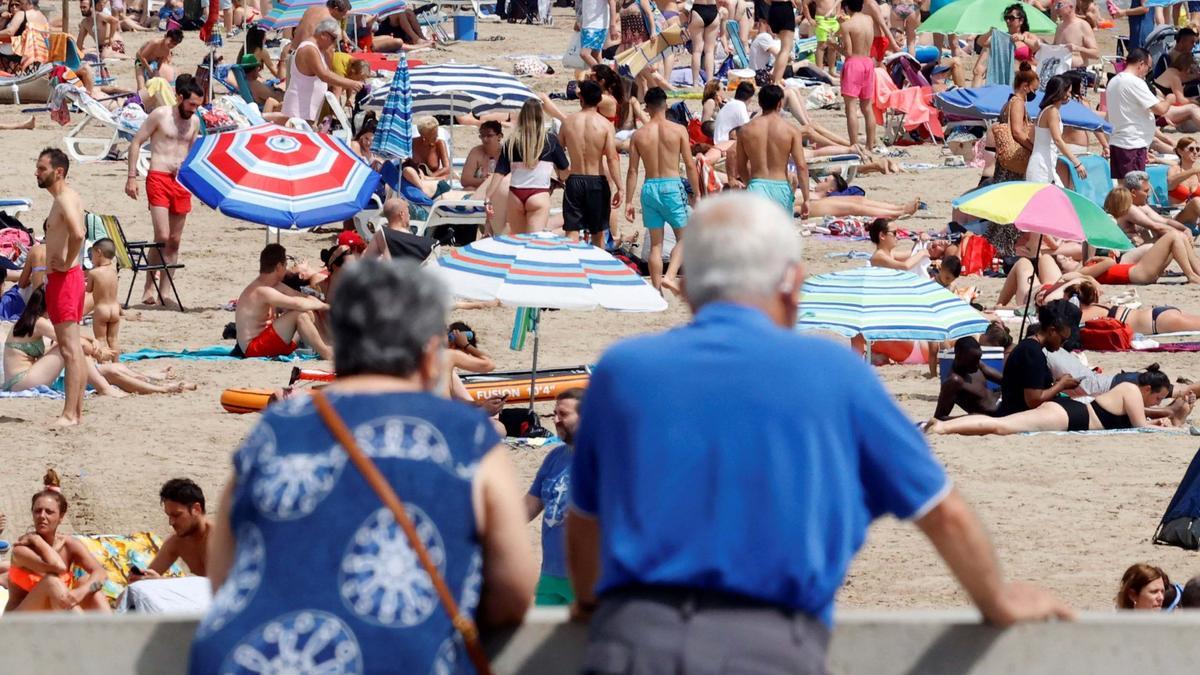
pixel 65 281
pixel 259 331
pixel 183 502
pixel 590 141
pixel 154 58
pixel 764 148
pixel 661 145
pixel 858 71
pixel 109 26
pixel 332 9
pixel 171 132
pixel 1075 31
pixel 967 384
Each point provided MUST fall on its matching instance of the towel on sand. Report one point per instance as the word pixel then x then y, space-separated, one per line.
pixel 213 353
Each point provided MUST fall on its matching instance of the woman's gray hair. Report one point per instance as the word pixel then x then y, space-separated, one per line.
pixel 1135 179
pixel 739 247
pixel 383 314
pixel 330 26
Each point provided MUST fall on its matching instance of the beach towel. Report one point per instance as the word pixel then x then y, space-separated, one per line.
pixel 915 102
pixel 117 553
pixel 182 595
pixel 650 52
pixel 213 353
pixel 34 392
pixel 1177 347
pixel 1174 431
pixel 1000 59
pixel 32 45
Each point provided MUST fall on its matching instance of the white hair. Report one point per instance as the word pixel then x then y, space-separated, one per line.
pixel 329 26
pixel 739 247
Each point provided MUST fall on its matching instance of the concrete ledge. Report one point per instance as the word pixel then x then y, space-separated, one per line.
pixel 865 642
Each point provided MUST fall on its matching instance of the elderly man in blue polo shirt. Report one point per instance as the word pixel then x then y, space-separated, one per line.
pixel 726 472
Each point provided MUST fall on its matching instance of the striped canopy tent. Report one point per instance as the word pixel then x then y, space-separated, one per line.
pixel 393 135
pixel 885 304
pixel 457 89
pixel 287 13
pixel 279 177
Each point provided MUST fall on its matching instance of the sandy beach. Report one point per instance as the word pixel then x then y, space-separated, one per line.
pixel 1069 512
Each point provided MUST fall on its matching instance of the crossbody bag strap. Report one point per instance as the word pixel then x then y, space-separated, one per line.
pixel 462 622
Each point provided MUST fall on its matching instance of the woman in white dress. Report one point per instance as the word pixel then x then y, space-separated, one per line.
pixel 1048 140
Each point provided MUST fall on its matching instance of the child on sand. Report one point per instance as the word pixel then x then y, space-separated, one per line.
pixel 102 284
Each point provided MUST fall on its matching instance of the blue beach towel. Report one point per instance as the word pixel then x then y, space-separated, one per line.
pixel 213 353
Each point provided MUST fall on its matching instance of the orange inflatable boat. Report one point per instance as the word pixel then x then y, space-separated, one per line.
pixel 515 384
pixel 245 400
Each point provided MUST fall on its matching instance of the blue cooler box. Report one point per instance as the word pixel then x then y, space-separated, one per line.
pixel 464 26
pixel 992 356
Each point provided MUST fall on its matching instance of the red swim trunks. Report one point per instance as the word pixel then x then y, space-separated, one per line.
pixel 64 295
pixel 163 190
pixel 268 344
pixel 879 47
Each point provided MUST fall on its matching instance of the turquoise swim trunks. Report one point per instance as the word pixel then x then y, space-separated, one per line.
pixel 778 191
pixel 664 201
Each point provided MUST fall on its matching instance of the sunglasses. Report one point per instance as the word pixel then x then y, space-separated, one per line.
pixel 1013 17
pixel 1192 149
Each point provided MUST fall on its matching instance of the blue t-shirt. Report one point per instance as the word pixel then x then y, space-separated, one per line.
pixel 734 455
pixel 550 485
pixel 323 580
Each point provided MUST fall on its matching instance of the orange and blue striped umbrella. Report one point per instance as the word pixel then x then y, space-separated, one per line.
pixel 546 270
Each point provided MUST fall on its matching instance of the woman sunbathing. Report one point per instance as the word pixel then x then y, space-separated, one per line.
pixel 821 204
pixel 40 576
pixel 1122 407
pixel 1144 320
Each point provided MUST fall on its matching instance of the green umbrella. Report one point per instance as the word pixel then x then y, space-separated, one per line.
pixel 976 17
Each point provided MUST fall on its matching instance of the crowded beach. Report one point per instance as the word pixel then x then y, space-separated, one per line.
pixel 937 258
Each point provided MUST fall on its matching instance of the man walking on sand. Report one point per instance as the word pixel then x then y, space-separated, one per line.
pixel 661 145
pixel 764 148
pixel 171 132
pixel 858 71
pixel 590 140
pixel 65 281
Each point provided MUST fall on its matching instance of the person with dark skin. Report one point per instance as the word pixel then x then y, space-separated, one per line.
pixel 1027 382
pixel 966 386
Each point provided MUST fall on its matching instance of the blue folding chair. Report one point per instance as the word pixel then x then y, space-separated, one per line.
pixel 1098 183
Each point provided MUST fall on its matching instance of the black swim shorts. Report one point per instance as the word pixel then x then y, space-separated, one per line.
pixel 781 17
pixel 587 203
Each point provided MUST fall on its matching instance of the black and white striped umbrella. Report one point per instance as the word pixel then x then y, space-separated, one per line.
pixel 457 89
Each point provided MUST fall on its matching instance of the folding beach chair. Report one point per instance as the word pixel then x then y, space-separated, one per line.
pixel 131 255
pixel 116 131
pixel 740 56
pixel 1098 183
pixel 1159 195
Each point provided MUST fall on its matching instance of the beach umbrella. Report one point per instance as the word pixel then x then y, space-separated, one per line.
pixel 279 177
pixel 885 304
pixel 287 13
pixel 543 270
pixel 393 135
pixel 457 89
pixel 976 17
pixel 985 103
pixel 1045 209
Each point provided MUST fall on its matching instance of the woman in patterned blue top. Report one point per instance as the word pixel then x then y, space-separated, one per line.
pixel 311 572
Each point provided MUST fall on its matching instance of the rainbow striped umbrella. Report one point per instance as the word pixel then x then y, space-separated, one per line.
pixel 287 13
pixel 278 177
pixel 885 304
pixel 546 270
pixel 1045 209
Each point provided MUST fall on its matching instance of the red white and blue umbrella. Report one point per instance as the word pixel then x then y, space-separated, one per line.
pixel 545 270
pixel 279 177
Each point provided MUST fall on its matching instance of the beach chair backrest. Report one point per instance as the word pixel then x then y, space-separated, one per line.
pixel 243 86
pixel 735 38
pixel 1099 181
pixel 1158 185
pixel 98 227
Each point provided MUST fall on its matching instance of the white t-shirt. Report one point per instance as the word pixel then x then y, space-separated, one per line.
pixel 731 116
pixel 1129 100
pixel 593 14
pixel 760 51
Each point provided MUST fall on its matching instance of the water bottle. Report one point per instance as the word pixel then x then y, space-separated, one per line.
pixel 5 549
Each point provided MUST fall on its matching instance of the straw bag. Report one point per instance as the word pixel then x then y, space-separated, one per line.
pixel 462 622
pixel 1009 153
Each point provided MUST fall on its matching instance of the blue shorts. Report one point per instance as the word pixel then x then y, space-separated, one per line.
pixel 778 191
pixel 1193 6
pixel 664 201
pixel 593 38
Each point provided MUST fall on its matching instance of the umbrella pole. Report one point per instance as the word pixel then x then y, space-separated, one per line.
pixel 533 323
pixel 1029 296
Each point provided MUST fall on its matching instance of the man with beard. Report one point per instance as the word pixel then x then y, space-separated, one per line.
pixel 549 491
pixel 183 502
pixel 170 132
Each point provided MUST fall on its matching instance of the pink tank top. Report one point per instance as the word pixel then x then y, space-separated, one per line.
pixel 305 93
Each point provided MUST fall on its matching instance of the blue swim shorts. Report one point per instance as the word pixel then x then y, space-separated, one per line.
pixel 778 191
pixel 664 201
pixel 593 38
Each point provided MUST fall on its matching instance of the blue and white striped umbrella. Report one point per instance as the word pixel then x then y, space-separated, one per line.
pixel 287 13
pixel 885 304
pixel 546 270
pixel 393 136
pixel 457 89
pixel 279 177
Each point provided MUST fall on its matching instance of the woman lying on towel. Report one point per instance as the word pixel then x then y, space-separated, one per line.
pixel 40 576
pixel 822 203
pixel 1122 407
pixel 1144 320
pixel 28 363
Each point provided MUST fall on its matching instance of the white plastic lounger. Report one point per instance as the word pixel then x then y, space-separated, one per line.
pixel 115 132
pixel 31 87
pixel 13 205
pixel 847 165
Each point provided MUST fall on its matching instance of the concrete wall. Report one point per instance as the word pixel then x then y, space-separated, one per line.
pixel 866 642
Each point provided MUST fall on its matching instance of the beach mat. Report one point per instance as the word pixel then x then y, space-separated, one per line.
pixel 1174 431
pixel 1174 347
pixel 213 353
pixel 34 392
pixel 118 553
